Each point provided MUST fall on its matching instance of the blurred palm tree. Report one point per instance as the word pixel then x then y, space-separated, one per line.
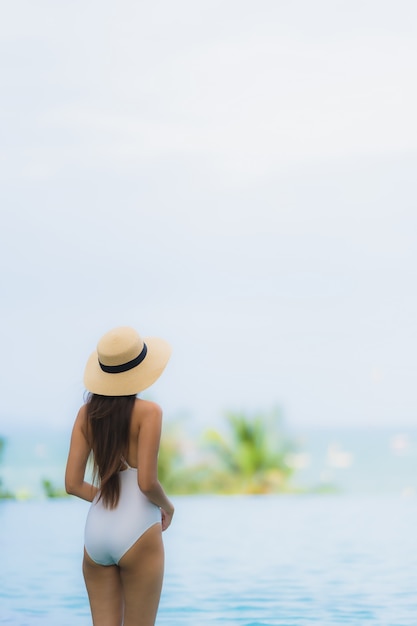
pixel 169 459
pixel 252 456
pixel 178 474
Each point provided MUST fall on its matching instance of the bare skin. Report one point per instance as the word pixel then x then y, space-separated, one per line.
pixel 127 593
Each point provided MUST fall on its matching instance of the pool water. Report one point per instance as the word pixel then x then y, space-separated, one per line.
pixel 250 561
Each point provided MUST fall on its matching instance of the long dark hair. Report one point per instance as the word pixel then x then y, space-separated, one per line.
pixel 108 419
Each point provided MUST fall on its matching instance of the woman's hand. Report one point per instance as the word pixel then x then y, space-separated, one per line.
pixel 166 518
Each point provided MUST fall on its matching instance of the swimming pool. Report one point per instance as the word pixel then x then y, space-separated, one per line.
pixel 248 561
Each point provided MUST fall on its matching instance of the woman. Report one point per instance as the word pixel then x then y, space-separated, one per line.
pixel 123 555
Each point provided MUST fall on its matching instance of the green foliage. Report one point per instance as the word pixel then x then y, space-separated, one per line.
pixel 169 458
pixel 51 491
pixel 176 473
pixel 249 458
pixel 4 493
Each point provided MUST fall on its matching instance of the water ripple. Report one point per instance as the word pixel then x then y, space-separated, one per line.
pixel 254 561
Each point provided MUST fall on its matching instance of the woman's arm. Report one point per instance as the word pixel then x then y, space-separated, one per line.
pixel 77 461
pixel 148 448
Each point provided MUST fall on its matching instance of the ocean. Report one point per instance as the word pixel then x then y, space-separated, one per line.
pixel 341 550
pixel 288 560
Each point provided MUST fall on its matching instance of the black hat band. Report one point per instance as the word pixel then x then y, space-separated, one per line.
pixel 124 367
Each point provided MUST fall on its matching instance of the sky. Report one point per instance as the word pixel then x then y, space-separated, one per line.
pixel 237 177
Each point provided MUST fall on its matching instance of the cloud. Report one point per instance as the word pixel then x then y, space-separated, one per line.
pixel 245 102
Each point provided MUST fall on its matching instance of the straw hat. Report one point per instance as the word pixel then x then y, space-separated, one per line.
pixel 124 363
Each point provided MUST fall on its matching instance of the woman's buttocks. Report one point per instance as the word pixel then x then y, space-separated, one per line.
pixel 109 533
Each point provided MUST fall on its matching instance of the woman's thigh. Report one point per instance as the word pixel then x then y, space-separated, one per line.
pixel 104 590
pixel 141 572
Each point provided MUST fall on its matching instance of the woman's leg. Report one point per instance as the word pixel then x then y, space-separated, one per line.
pixel 104 592
pixel 142 571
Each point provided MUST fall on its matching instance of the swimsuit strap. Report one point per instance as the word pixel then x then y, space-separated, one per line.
pixel 123 460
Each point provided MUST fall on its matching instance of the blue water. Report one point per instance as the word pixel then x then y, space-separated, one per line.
pixel 252 561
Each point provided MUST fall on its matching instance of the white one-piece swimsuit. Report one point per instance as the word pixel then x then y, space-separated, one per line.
pixel 109 533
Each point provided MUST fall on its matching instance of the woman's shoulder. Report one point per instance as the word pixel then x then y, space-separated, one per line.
pixel 82 414
pixel 81 419
pixel 146 408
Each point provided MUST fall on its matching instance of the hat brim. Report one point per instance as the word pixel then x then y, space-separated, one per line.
pixel 133 381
